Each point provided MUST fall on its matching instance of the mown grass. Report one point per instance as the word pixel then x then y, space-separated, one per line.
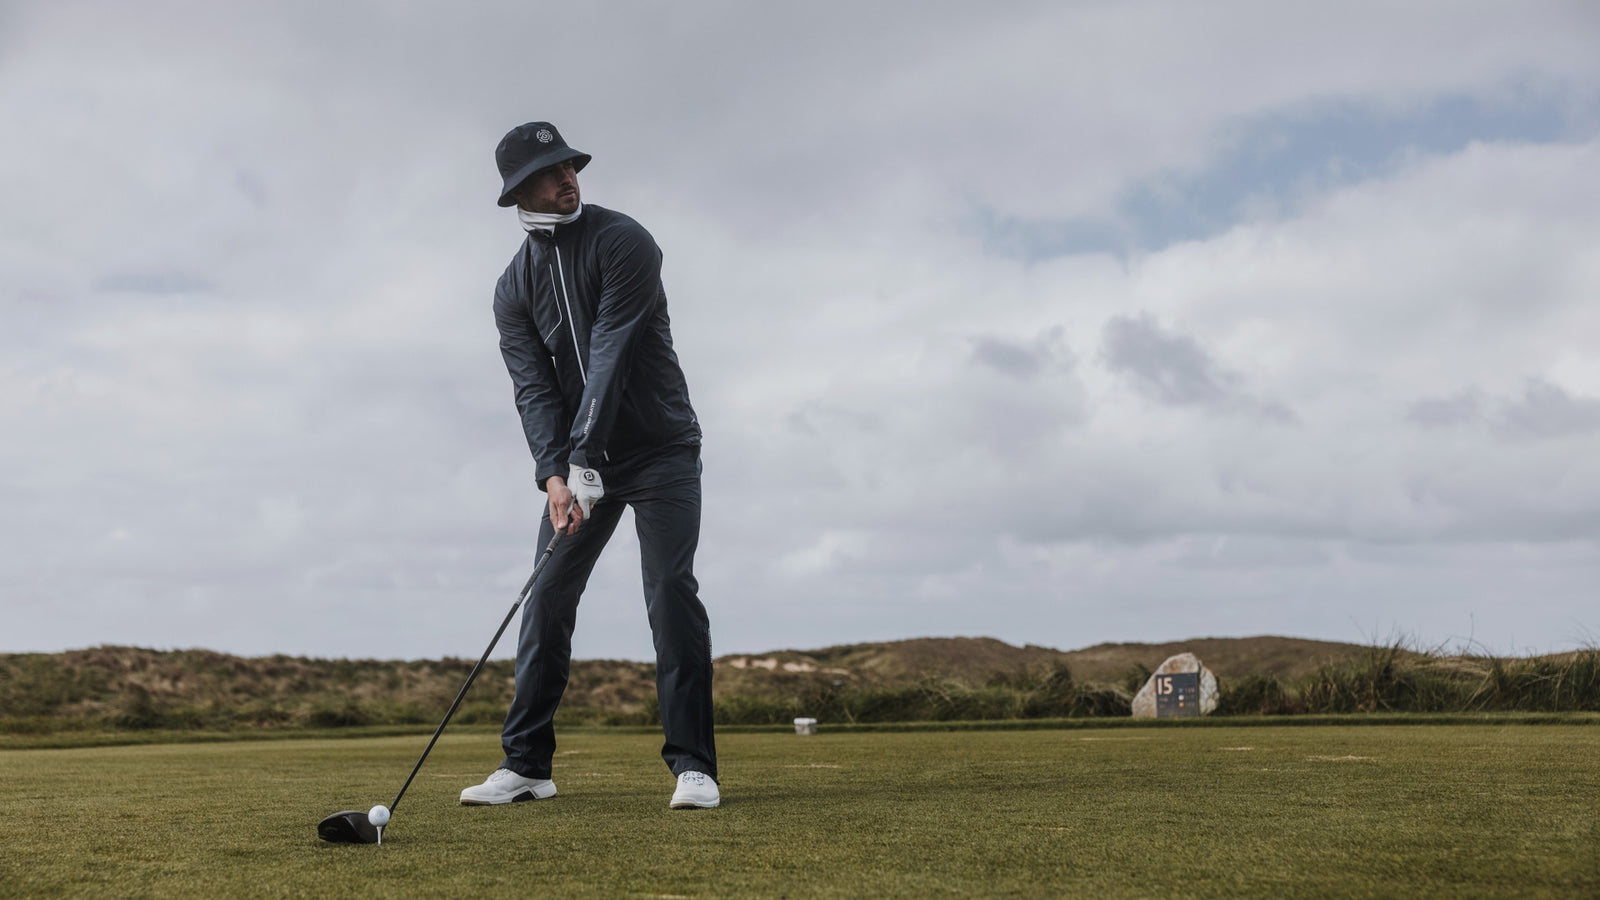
pixel 1464 810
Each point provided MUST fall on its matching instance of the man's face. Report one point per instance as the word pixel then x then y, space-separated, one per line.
pixel 550 190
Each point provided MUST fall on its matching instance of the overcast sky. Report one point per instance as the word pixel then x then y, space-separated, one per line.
pixel 1054 322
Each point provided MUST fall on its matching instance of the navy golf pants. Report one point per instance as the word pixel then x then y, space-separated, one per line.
pixel 664 492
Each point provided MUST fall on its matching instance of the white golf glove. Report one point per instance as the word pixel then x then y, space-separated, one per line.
pixel 586 488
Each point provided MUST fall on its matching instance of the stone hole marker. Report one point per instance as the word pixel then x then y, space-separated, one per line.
pixel 1179 688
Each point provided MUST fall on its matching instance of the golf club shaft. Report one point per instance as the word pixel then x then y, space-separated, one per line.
pixel 527 589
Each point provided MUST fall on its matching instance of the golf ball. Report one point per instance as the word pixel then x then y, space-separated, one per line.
pixel 378 815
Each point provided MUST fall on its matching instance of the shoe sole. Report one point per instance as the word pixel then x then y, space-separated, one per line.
pixel 696 804
pixel 519 798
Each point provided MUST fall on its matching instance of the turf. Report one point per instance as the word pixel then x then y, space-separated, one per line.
pixel 1445 810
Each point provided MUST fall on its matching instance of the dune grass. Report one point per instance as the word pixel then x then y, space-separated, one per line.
pixel 1451 810
pixel 137 695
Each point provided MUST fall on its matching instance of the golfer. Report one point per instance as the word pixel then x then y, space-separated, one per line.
pixel 583 328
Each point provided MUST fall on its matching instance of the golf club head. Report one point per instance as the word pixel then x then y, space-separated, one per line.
pixel 348 827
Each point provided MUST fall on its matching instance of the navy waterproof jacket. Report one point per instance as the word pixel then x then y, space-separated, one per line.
pixel 584 331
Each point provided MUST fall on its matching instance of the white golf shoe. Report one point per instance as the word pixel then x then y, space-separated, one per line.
pixel 696 790
pixel 506 786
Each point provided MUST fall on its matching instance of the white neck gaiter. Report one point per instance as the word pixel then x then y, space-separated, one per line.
pixel 532 221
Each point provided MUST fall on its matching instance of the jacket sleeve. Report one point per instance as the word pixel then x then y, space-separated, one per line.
pixel 533 380
pixel 630 291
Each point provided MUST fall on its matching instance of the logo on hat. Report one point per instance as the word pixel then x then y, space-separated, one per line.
pixel 545 136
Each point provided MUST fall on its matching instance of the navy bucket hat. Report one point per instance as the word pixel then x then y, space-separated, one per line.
pixel 528 148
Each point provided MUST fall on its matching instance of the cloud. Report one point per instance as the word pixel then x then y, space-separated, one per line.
pixel 152 282
pixel 1543 411
pixel 1168 368
pixel 1022 361
pixel 1546 411
pixel 1174 370
pixel 1462 407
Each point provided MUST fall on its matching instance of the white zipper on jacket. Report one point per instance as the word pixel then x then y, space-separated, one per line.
pixel 559 319
pixel 572 325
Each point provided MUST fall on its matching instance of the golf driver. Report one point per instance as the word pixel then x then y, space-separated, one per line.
pixel 352 826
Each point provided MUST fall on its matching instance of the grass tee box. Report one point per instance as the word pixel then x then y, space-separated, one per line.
pixel 1459 810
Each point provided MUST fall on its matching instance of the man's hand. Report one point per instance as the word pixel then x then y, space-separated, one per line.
pixel 586 488
pixel 561 505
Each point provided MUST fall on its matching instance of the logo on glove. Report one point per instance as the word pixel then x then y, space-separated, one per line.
pixel 590 476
